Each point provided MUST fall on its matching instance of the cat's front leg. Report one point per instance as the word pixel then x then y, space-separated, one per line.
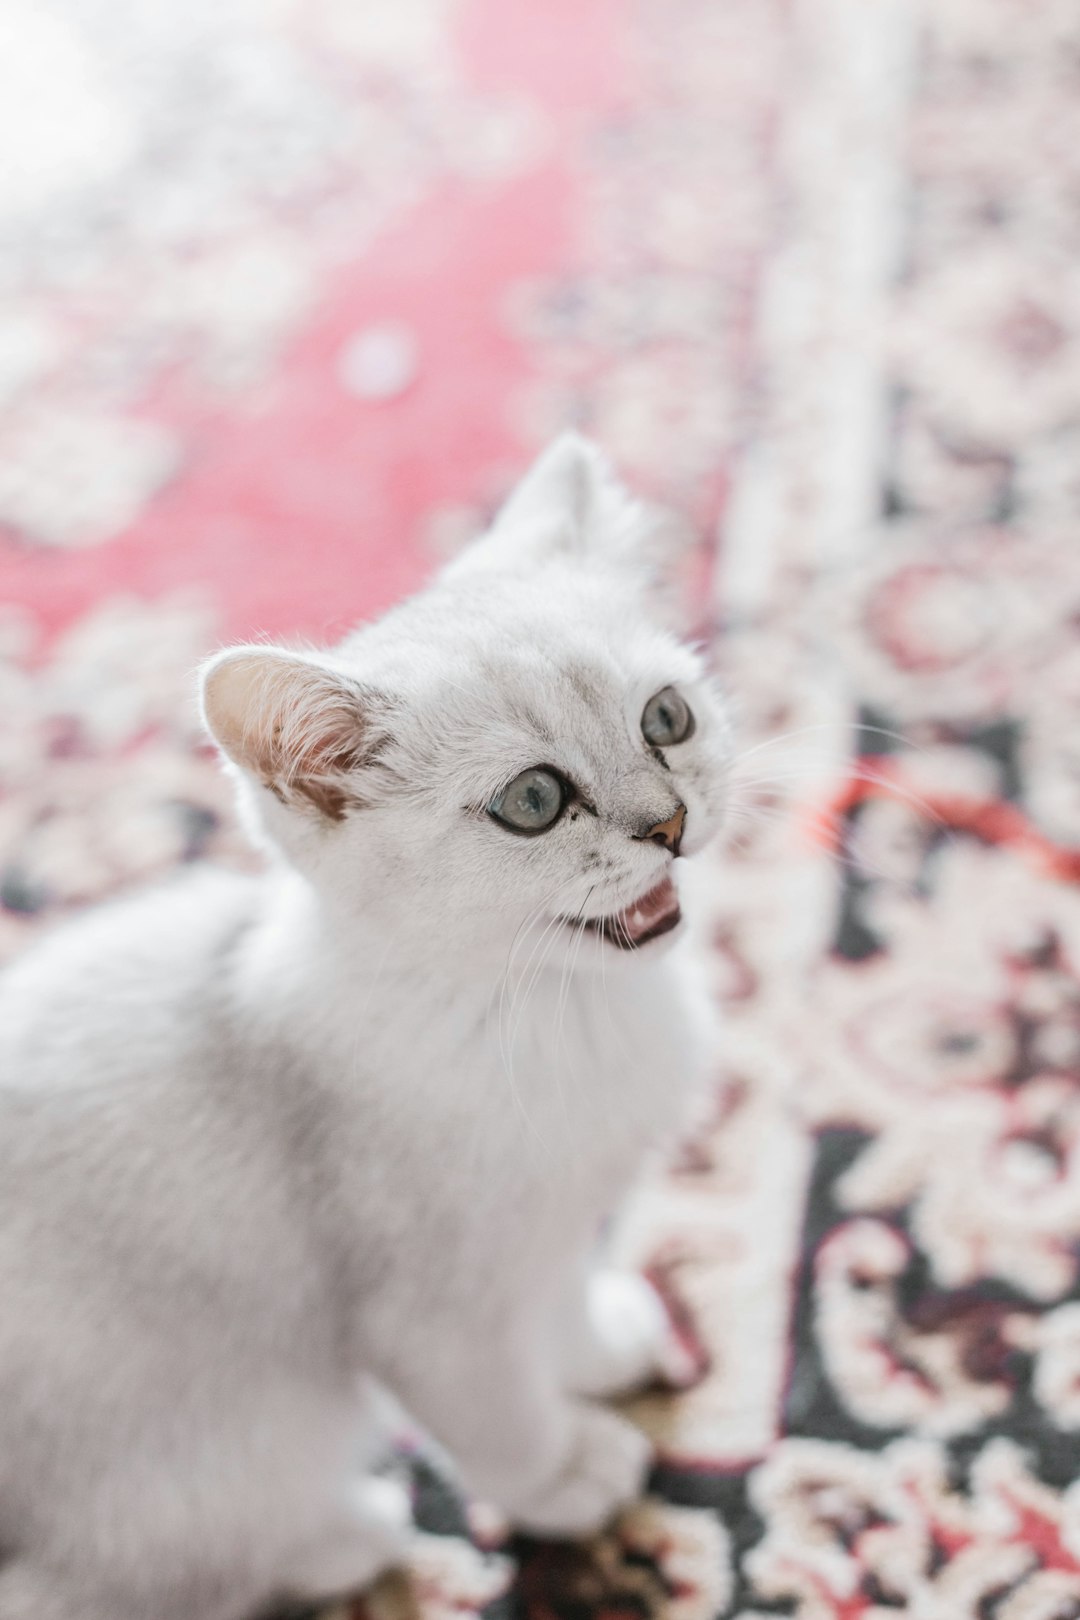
pixel 617 1335
pixel 555 1465
pixel 603 1470
pixel 369 1531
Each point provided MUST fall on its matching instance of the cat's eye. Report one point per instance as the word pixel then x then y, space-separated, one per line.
pixel 531 803
pixel 667 719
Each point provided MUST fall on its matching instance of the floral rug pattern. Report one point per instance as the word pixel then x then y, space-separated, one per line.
pixel 809 271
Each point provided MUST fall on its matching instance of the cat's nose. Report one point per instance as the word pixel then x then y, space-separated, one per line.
pixel 669 832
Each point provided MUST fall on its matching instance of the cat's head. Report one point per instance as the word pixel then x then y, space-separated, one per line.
pixel 524 743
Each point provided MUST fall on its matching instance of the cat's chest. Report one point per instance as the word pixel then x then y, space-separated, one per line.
pixel 598 1065
pixel 488 1141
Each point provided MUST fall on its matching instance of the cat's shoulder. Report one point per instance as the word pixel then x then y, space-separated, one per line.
pixel 120 960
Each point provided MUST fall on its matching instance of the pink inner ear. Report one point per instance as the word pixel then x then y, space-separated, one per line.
pixel 322 743
pixel 320 728
pixel 301 728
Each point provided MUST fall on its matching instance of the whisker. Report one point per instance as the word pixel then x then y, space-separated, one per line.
pixel 569 969
pixel 852 730
pixel 540 954
pixel 858 865
pixel 854 771
pixel 506 1026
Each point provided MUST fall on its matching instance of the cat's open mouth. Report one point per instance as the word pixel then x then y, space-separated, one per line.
pixel 655 913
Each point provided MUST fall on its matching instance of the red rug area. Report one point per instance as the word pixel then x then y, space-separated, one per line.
pixel 290 292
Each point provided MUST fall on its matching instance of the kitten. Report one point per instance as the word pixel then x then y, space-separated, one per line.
pixel 271 1146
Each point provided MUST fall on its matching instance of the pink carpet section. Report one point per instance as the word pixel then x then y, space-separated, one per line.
pixel 290 296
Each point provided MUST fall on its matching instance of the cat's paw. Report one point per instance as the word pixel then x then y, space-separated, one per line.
pixel 605 1470
pixel 630 1340
pixel 372 1532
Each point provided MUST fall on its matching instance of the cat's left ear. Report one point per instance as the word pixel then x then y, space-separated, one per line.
pixel 571 503
pixel 294 724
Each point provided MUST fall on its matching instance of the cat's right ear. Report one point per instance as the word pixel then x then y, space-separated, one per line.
pixel 299 727
pixel 571 504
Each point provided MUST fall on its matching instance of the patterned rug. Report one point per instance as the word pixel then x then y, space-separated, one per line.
pixel 290 291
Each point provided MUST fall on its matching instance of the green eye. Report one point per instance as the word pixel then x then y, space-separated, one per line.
pixel 667 719
pixel 531 803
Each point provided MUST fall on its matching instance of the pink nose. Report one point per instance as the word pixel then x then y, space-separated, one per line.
pixel 669 832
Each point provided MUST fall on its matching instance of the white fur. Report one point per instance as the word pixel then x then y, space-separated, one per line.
pixel 271 1146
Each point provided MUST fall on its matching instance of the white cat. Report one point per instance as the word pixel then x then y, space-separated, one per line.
pixel 272 1145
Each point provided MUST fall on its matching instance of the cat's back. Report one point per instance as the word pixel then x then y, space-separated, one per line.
pixel 151 1206
pixel 114 1057
pixel 117 990
pixel 135 1128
